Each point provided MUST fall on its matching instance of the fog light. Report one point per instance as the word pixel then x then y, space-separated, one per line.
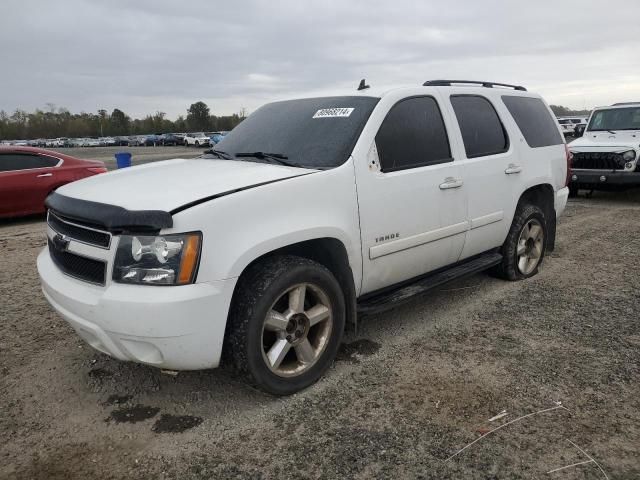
pixel 603 178
pixel 628 165
pixel 574 177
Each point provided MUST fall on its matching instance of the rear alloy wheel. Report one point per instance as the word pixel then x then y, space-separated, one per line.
pixel 197 144
pixel 523 250
pixel 530 246
pixel 286 323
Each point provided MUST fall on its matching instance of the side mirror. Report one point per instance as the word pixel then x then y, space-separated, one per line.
pixel 578 131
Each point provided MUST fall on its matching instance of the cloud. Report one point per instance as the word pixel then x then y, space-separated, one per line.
pixel 147 55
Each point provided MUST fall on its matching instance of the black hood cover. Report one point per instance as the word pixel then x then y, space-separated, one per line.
pixel 108 217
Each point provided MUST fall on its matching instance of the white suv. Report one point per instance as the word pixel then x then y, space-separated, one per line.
pixel 606 157
pixel 196 140
pixel 308 212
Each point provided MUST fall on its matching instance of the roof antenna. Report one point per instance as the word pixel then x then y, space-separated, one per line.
pixel 363 85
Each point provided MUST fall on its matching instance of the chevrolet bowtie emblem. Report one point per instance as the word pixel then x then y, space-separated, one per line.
pixel 60 242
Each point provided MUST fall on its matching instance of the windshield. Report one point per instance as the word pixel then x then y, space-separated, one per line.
pixel 313 132
pixel 615 119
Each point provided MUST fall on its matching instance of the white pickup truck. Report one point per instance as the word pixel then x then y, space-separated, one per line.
pixel 306 214
pixel 606 156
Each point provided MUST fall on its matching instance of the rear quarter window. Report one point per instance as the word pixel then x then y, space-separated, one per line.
pixel 534 120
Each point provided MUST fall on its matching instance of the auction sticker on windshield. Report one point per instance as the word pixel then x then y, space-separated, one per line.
pixel 333 112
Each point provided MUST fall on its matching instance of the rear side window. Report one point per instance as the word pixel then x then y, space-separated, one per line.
pixel 534 121
pixel 24 161
pixel 482 130
pixel 412 135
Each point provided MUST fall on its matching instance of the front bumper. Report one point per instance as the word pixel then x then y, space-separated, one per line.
pixel 601 178
pixel 171 327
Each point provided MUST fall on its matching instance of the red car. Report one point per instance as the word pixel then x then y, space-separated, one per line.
pixel 28 175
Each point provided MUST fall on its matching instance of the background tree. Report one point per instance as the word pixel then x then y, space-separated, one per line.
pixel 198 116
pixel 119 123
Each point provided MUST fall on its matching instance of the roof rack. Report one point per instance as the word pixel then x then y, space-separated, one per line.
pixel 447 83
pixel 624 103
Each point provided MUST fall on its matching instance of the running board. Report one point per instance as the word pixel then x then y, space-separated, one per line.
pixel 392 298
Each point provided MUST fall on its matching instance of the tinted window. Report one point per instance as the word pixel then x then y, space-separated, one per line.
pixel 412 135
pixel 481 128
pixel 312 132
pixel 534 120
pixel 23 161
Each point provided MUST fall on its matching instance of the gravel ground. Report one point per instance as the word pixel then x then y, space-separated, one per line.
pixel 414 386
pixel 140 155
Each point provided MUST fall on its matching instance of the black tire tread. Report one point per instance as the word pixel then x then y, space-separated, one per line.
pixel 253 284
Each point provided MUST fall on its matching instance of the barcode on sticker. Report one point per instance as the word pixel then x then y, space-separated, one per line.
pixel 333 112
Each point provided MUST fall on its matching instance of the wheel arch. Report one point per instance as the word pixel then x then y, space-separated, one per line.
pixel 327 251
pixel 543 195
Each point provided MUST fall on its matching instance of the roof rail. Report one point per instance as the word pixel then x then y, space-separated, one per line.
pixel 447 83
pixel 624 103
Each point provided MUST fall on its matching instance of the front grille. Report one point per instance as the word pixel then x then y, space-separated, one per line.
pixel 598 160
pixel 78 232
pixel 78 267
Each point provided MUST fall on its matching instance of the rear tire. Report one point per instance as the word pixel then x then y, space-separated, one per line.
pixel 285 324
pixel 523 250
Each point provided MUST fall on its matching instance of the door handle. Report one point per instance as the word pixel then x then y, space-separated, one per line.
pixel 45 175
pixel 451 182
pixel 513 168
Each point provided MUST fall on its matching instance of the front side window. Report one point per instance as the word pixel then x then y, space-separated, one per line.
pixel 615 119
pixel 481 128
pixel 24 161
pixel 413 135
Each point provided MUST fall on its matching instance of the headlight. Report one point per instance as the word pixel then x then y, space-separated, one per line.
pixel 629 155
pixel 157 260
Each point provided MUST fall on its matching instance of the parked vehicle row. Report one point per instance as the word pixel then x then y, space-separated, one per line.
pixel 200 139
pixel 568 125
pixel 276 238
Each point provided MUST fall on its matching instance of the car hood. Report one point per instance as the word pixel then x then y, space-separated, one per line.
pixel 172 184
pixel 606 142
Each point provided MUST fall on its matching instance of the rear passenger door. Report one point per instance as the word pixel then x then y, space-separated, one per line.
pixel 491 169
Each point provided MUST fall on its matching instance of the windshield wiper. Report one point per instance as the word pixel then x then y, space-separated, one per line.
pixel 277 157
pixel 219 154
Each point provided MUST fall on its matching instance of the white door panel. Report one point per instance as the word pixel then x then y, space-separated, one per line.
pixel 409 225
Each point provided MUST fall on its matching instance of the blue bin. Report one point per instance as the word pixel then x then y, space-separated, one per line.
pixel 123 159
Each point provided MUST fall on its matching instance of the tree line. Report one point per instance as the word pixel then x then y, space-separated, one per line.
pixel 59 122
pixel 560 111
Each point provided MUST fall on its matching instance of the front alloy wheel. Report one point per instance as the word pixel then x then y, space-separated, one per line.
pixel 285 323
pixel 296 330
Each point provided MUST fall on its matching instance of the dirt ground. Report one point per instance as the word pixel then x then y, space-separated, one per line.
pixel 411 389
pixel 139 156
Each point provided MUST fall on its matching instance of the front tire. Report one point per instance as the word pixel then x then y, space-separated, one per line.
pixel 286 323
pixel 523 250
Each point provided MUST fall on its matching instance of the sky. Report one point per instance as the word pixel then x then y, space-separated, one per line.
pixel 144 56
